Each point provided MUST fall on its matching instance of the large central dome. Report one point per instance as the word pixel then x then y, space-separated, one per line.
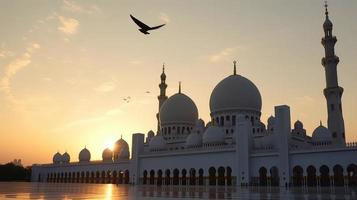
pixel 179 108
pixel 235 93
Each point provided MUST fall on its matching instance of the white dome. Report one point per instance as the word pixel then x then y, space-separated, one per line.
pixel 107 155
pixel 235 93
pixel 321 134
pixel 271 120
pixel 66 158
pixel 298 125
pixel 84 155
pixel 157 143
pixel 213 135
pixel 200 123
pixel 193 140
pixel 179 108
pixel 121 149
pixel 57 158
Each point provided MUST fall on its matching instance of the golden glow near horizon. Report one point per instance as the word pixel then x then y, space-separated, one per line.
pixel 68 67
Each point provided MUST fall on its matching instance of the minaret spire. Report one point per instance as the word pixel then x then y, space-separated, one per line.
pixel 333 92
pixel 162 97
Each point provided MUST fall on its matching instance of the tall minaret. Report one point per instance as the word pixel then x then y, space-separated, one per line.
pixel 333 92
pixel 162 97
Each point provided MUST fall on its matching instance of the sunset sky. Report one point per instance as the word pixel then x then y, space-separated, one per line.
pixel 65 66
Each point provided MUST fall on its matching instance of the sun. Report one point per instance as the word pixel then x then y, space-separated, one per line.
pixel 109 144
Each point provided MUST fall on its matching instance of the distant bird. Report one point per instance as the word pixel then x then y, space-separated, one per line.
pixel 147 92
pixel 143 27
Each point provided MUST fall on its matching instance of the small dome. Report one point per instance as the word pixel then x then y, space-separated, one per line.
pixel 57 158
pixel 151 134
pixel 107 155
pixel 121 149
pixel 271 120
pixel 298 125
pixel 84 155
pixel 200 123
pixel 235 93
pixel 321 134
pixel 66 158
pixel 213 135
pixel 193 140
pixel 179 108
pixel 157 143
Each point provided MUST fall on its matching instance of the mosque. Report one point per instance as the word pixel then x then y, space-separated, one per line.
pixel 234 148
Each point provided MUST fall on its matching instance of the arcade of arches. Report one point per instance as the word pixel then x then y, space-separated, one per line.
pixel 192 176
pixel 313 176
pixel 115 177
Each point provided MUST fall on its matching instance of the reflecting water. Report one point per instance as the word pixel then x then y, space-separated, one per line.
pixel 109 191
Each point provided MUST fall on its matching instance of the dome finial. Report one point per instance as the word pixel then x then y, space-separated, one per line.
pixel 320 123
pixel 235 67
pixel 326 11
pixel 163 68
pixel 121 136
pixel 179 87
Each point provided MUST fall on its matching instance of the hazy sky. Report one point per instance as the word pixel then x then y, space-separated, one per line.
pixel 65 66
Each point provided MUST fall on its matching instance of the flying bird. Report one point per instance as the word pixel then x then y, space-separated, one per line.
pixel 143 27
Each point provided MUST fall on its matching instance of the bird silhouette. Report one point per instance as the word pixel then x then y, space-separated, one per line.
pixel 143 27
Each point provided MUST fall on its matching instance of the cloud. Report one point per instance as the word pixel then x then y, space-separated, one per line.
pixel 135 62
pixel 68 26
pixel 106 87
pixel 222 55
pixel 6 53
pixel 164 17
pixel 74 7
pixel 13 67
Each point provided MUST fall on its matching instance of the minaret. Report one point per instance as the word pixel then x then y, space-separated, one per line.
pixel 162 97
pixel 333 92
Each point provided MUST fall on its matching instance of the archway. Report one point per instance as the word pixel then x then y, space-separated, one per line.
pixel 200 176
pixel 274 173
pixel 103 177
pixel 78 177
pixel 120 177
pixel 229 176
pixel 298 176
pixel 175 180
pixel 97 177
pixel 338 175
pixel 82 177
pixel 167 177
pixel 263 180
pixel 183 178
pixel 92 177
pixel 115 177
pixel 212 176
pixel 192 176
pixel 145 176
pixel 108 177
pixel 126 177
pixel 61 178
pixel 221 179
pixel 324 176
pixel 352 175
pixel 159 177
pixel 65 177
pixel 152 177
pixel 311 176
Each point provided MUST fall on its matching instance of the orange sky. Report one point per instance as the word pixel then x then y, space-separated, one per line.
pixel 65 66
